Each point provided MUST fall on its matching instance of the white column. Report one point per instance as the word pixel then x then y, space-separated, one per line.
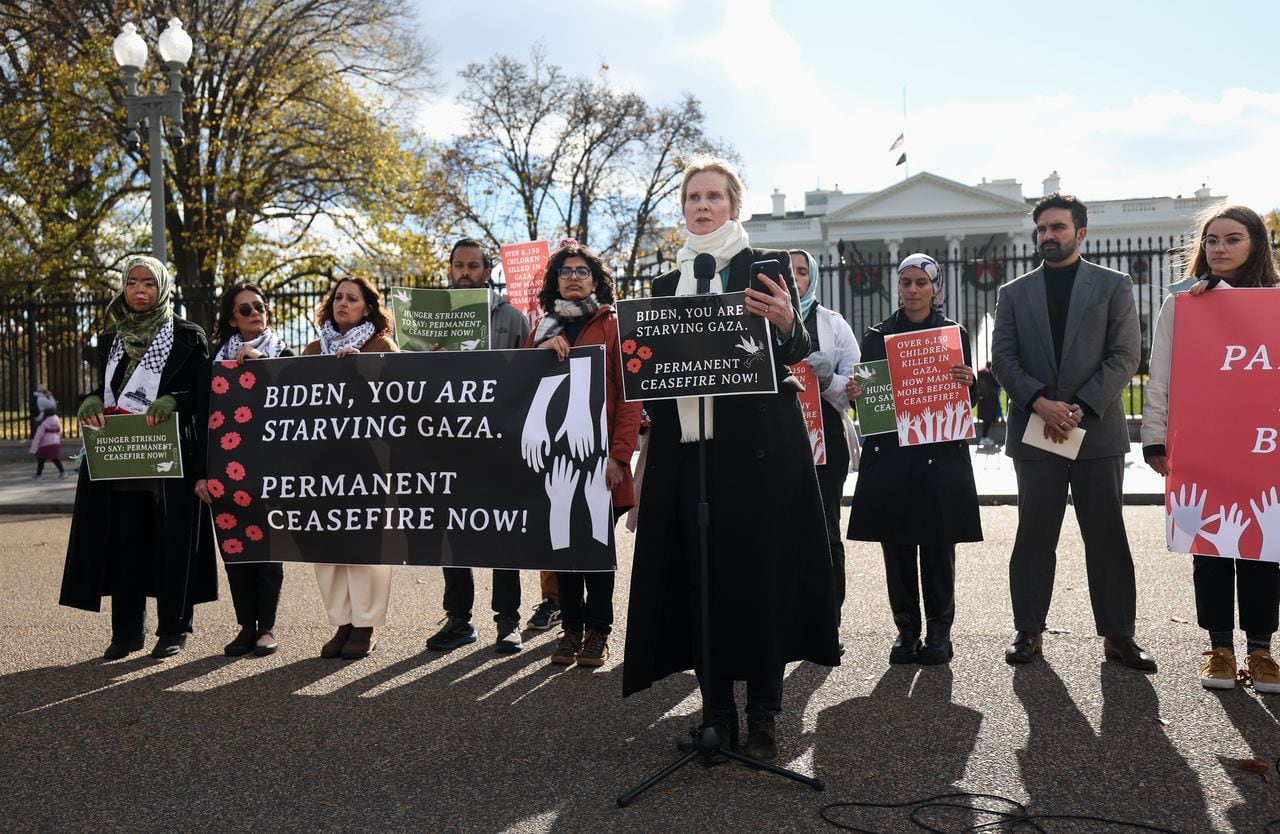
pixel 953 277
pixel 893 243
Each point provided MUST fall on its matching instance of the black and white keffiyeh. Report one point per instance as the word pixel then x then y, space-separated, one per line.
pixel 563 312
pixel 331 341
pixel 267 343
pixel 142 386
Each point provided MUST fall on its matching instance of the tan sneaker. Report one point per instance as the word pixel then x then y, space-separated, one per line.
pixel 595 649
pixel 1219 669
pixel 567 648
pixel 1263 670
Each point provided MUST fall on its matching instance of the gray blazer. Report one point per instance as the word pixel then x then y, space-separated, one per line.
pixel 1101 349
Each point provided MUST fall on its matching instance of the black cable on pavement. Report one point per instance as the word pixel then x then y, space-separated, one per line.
pixel 1020 816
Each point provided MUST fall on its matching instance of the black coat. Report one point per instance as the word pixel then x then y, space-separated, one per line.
pixel 184 543
pixel 921 495
pixel 771 595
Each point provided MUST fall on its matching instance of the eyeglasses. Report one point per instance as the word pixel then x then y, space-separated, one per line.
pixel 574 272
pixel 1230 242
pixel 246 309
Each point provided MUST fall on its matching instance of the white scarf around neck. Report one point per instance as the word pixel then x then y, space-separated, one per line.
pixel 143 385
pixel 723 243
pixel 267 343
pixel 331 341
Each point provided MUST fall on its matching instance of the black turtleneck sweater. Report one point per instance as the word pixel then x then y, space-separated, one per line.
pixel 1058 282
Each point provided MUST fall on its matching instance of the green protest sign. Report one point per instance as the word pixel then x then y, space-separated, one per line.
pixel 441 319
pixel 875 403
pixel 126 447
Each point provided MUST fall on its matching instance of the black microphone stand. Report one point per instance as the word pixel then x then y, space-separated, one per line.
pixel 706 742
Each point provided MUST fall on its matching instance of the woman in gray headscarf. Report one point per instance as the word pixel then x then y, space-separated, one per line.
pixel 147 537
pixel 912 498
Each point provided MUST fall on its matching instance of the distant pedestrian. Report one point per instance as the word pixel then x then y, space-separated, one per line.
pixel 46 445
pixel 989 410
pixel 44 401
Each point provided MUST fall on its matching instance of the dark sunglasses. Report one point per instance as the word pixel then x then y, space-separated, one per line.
pixel 246 309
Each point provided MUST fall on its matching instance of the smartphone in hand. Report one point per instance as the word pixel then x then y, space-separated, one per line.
pixel 769 267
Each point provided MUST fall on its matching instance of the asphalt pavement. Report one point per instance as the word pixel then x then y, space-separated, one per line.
pixel 469 741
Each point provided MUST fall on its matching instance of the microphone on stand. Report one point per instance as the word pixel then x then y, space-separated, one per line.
pixel 704 269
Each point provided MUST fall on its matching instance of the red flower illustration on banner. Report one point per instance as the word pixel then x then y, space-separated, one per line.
pixel 634 365
pixel 243 414
pixel 254 532
pixel 247 379
pixel 645 352
pixel 233 546
pixel 215 420
pixel 215 487
pixel 230 440
pixel 220 385
pixel 242 498
pixel 629 346
pixel 229 364
pixel 235 471
pixel 225 521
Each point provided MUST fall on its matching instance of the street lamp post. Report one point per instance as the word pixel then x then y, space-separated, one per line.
pixel 152 108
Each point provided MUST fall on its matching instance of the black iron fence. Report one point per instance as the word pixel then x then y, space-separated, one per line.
pixel 53 339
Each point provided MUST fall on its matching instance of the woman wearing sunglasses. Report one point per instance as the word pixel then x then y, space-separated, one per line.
pixel 244 332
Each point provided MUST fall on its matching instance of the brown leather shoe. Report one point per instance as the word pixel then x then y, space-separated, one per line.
pixel 1024 648
pixel 1123 648
pixel 360 644
pixel 333 648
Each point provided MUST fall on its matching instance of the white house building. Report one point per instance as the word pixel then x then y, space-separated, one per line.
pixel 982 234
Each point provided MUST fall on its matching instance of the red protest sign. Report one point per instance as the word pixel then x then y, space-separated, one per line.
pixel 1223 439
pixel 524 265
pixel 930 406
pixel 811 407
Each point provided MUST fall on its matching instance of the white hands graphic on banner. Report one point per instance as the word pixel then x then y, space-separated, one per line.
pixel 596 490
pixel 1186 518
pixel 561 483
pixel 604 428
pixel 1268 515
pixel 577 423
pixel 535 440
pixel 951 422
pixel 1231 526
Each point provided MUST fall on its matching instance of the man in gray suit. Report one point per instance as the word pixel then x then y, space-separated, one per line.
pixel 1067 342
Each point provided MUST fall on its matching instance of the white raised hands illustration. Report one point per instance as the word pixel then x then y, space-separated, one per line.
pixel 1186 518
pixel 816 443
pixel 577 420
pixel 1268 515
pixel 1231 526
pixel 561 482
pixel 904 429
pixel 596 490
pixel 535 441
pixel 604 428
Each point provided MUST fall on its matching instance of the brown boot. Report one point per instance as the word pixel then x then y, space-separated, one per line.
pixel 360 644
pixel 334 647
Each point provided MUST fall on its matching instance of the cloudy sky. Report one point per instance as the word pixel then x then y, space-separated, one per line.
pixel 1123 99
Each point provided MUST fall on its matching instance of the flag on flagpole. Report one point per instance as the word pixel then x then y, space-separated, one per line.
pixel 901 160
pixel 897 143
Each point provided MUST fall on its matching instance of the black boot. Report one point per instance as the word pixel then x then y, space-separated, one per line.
pixel 906 649
pixel 762 742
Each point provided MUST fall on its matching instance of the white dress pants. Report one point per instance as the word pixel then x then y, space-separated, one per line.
pixel 355 594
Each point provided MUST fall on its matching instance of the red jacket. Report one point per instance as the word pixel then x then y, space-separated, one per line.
pixel 623 417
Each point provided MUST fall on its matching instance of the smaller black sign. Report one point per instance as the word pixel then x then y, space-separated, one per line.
pixel 693 346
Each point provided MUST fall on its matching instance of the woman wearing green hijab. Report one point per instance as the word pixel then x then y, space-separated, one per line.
pixel 146 537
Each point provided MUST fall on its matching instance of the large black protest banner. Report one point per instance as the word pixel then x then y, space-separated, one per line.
pixel 693 345
pixel 471 459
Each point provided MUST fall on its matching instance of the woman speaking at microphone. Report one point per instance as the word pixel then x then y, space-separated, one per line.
pixel 769 588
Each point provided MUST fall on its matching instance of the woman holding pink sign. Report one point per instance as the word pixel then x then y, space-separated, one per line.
pixel 918 501
pixel 1232 249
